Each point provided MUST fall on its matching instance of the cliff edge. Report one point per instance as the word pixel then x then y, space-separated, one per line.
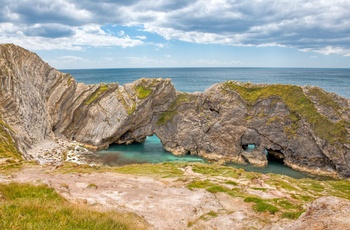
pixel 305 127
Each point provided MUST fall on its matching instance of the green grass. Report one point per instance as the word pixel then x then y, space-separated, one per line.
pixel 8 147
pixel 155 170
pixel 324 99
pixel 10 166
pixel 340 188
pixel 143 92
pixel 96 95
pixel 216 170
pixel 291 215
pixel 168 115
pixel 25 206
pixel 231 183
pixel 261 205
pixel 164 170
pixel 297 103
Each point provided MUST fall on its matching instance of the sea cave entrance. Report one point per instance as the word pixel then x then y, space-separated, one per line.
pixel 274 156
pixel 248 147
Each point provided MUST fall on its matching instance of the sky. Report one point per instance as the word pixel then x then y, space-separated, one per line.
pixel 74 34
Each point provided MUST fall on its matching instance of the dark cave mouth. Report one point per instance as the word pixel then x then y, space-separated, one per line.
pixel 273 156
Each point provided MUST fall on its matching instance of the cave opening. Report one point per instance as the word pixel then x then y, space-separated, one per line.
pixel 249 147
pixel 274 156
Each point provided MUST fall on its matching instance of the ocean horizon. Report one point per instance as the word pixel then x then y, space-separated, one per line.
pixel 198 79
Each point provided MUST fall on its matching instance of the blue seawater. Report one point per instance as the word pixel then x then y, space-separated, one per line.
pixel 199 79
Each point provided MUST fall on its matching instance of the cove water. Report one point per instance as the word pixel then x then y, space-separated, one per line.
pixel 150 151
pixel 199 79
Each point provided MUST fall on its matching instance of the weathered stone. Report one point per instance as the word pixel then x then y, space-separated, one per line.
pixel 305 127
pixel 324 213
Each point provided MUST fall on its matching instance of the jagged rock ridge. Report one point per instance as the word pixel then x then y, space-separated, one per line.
pixel 305 127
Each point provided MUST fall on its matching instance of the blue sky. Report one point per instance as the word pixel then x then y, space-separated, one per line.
pixel 180 33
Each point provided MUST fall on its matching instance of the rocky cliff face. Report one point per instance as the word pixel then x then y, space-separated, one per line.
pixel 305 127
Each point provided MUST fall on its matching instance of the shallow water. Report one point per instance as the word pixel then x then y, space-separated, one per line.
pixel 151 151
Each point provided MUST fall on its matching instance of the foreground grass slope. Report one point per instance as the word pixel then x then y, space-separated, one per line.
pixel 26 206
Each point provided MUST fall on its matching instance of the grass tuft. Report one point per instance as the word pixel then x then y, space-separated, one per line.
pixel 143 92
pixel 261 205
pixel 291 215
pixel 8 147
pixel 96 95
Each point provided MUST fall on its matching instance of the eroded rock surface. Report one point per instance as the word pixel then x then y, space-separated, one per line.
pixel 324 213
pixel 305 127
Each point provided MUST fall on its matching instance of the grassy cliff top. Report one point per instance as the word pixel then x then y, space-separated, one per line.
pixel 293 96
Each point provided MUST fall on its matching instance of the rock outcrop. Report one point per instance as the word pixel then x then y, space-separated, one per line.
pixel 324 213
pixel 305 127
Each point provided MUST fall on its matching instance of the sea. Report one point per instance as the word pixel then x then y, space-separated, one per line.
pixel 198 80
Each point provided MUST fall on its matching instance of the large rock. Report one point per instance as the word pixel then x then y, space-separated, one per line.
pixel 324 213
pixel 305 127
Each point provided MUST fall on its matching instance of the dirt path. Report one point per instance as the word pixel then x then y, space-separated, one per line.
pixel 163 203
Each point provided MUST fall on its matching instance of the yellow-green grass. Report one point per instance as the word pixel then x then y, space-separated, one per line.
pixel 168 115
pixel 8 147
pixel 143 92
pixel 153 170
pixel 95 95
pixel 25 206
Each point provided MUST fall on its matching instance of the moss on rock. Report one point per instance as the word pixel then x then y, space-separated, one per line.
pixel 96 95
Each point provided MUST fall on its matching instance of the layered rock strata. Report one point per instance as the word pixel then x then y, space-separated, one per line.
pixel 305 127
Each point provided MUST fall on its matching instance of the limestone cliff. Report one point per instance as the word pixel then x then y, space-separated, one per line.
pixel 305 127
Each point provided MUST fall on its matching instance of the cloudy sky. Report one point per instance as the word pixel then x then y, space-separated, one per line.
pixel 180 33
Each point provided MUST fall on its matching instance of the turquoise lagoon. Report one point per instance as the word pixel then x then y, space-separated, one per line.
pixel 152 151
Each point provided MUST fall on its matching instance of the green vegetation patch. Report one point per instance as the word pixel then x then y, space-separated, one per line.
pixel 324 99
pixel 340 188
pixel 159 170
pixel 155 170
pixel 8 147
pixel 298 103
pixel 94 96
pixel 261 205
pixel 143 92
pixel 25 206
pixel 292 215
pixel 172 110
pixel 216 170
pixel 214 188
pixel 130 109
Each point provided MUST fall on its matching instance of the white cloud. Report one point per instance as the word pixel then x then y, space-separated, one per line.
pixel 88 35
pixel 329 50
pixel 321 26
